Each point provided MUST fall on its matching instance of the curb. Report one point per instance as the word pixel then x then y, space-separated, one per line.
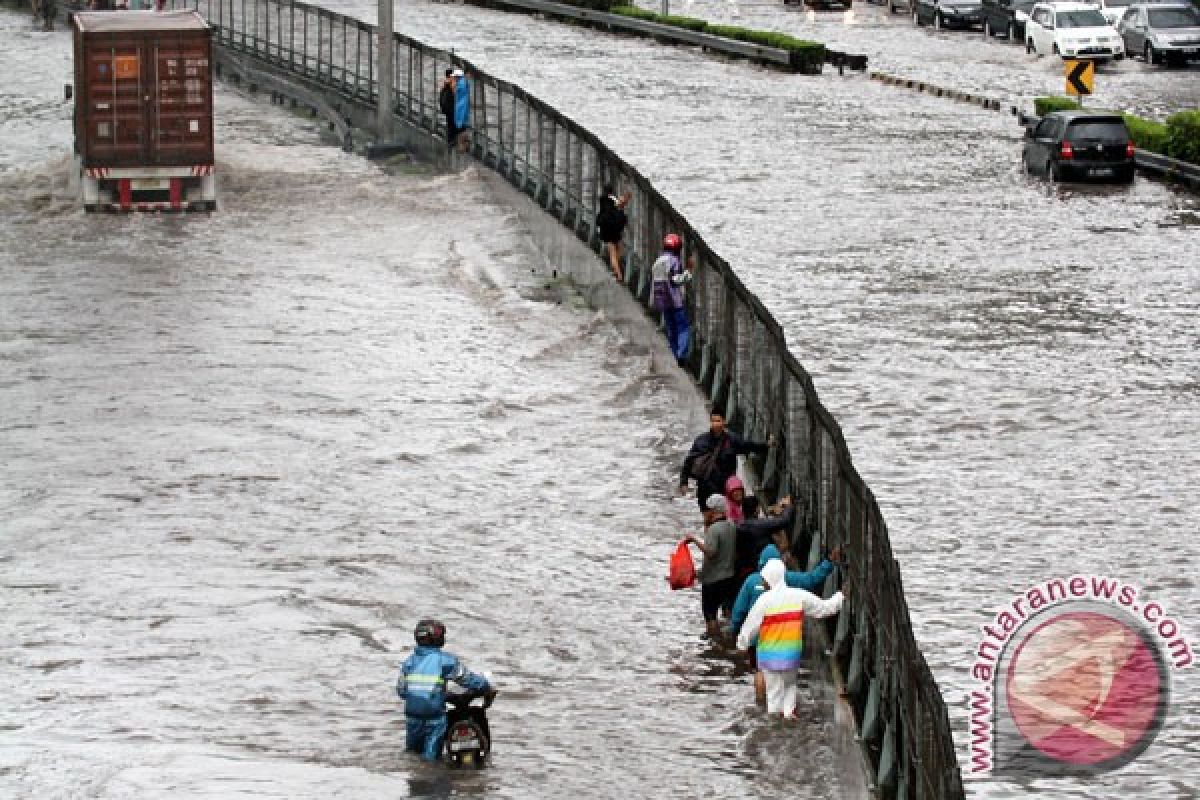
pixel 989 103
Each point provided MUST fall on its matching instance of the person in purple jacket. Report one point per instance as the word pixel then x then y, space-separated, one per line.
pixel 670 276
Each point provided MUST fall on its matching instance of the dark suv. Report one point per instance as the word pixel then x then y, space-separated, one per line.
pixel 1006 18
pixel 1078 145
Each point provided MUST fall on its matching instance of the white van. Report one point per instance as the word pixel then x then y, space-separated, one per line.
pixel 1072 30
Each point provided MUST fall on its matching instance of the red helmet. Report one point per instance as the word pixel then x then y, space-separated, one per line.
pixel 672 242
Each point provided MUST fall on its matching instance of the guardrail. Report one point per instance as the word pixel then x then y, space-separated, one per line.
pixel 1160 166
pixel 771 56
pixel 740 353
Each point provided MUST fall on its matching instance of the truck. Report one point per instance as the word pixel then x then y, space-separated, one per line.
pixel 144 111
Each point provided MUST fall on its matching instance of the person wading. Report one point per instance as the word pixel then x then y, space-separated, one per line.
pixel 713 458
pixel 718 584
pixel 776 620
pixel 753 587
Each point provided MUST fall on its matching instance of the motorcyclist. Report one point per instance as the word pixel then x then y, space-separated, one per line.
pixel 422 686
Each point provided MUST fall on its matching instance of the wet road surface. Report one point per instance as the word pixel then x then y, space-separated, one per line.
pixel 1014 365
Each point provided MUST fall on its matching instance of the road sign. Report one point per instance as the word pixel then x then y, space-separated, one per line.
pixel 1080 76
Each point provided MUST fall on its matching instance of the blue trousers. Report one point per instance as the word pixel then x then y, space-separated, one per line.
pixel 425 736
pixel 679 331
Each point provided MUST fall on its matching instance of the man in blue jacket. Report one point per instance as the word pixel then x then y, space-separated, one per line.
pixel 422 685
pixel 754 586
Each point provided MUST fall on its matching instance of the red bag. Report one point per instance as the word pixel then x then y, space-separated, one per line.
pixel 682 569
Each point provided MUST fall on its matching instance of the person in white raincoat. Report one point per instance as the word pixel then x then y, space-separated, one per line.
pixel 777 620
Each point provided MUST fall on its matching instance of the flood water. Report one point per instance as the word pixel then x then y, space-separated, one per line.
pixel 245 452
pixel 232 489
pixel 1015 365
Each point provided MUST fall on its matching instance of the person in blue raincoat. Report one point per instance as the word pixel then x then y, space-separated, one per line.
pixel 462 108
pixel 422 686
pixel 754 585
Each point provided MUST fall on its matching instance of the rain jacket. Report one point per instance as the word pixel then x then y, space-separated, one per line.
pixel 462 103
pixel 754 586
pixel 669 277
pixel 777 619
pixel 755 534
pixel 422 681
pixel 734 508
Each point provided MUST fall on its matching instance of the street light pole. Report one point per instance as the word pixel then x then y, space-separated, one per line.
pixel 387 79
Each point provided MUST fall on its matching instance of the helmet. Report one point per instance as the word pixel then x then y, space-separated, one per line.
pixel 430 633
pixel 672 242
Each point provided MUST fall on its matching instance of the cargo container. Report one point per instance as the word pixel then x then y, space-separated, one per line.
pixel 144 110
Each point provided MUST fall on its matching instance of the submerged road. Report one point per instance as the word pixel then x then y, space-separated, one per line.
pixel 244 452
pixel 1015 365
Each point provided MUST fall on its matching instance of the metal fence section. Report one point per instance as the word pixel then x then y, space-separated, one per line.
pixel 739 352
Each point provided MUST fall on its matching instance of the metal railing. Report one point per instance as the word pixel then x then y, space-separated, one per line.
pixel 739 353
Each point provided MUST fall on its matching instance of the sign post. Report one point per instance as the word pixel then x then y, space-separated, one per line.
pixel 383 120
pixel 1081 77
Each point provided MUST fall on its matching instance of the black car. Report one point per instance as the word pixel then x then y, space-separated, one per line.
pixel 1078 145
pixel 947 13
pixel 1006 18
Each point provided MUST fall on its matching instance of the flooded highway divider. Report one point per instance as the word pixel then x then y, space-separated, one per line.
pixel 739 354
pixel 1151 137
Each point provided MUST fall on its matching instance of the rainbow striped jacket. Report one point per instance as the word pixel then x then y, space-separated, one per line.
pixel 777 619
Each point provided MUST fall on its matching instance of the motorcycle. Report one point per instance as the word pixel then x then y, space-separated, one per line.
pixel 468 738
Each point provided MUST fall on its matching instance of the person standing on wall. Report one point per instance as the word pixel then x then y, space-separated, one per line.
pixel 462 108
pixel 670 277
pixel 610 223
pixel 713 458
pixel 446 104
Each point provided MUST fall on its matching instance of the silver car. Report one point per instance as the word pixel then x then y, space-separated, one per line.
pixel 1161 32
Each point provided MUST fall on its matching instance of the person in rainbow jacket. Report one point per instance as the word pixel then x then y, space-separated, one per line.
pixel 777 620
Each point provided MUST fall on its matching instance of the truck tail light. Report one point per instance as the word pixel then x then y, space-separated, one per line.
pixel 1130 150
pixel 1066 151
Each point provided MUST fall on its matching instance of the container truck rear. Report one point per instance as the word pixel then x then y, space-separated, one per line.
pixel 144 110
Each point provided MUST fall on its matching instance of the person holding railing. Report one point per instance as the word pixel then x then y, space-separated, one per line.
pixel 713 458
pixel 670 277
pixel 776 623
pixel 462 108
pixel 753 587
pixel 610 224
pixel 446 105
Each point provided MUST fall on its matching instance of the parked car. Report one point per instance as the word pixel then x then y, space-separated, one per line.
pixel 896 6
pixel 1072 30
pixel 1006 18
pixel 948 13
pixel 1078 145
pixel 1114 10
pixel 1161 32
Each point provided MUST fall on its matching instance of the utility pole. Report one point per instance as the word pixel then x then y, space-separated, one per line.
pixel 387 78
